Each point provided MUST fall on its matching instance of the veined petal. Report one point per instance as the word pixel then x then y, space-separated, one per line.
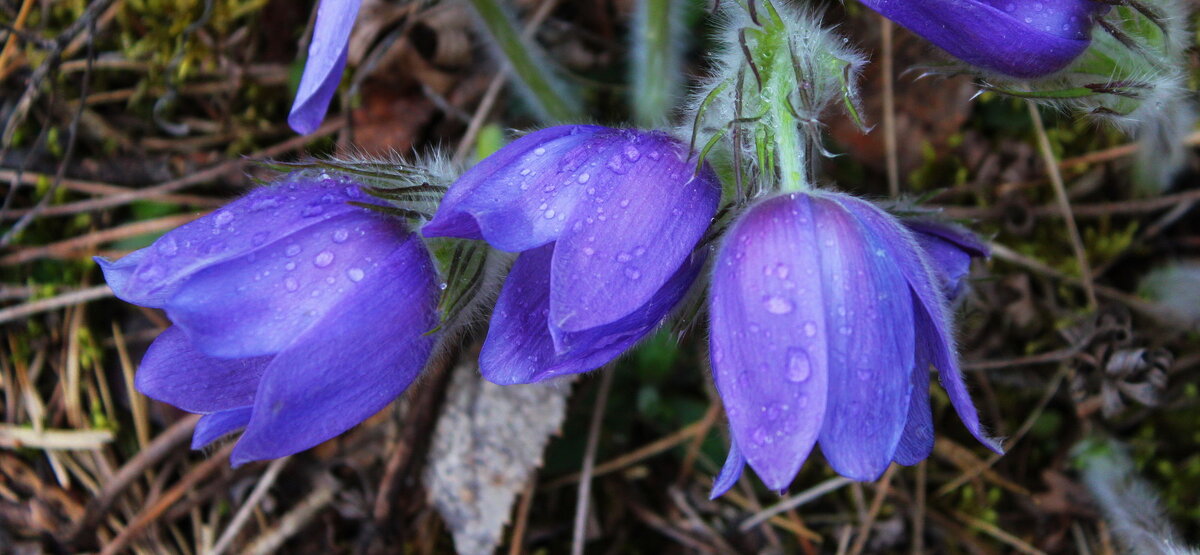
pixel 869 315
pixel 174 372
pixel 212 427
pixel 934 329
pixel 1020 38
pixel 917 441
pixel 325 63
pixel 521 196
pixel 768 336
pixel 151 276
pixel 351 364
pixel 521 347
pixel 628 238
pixel 260 303
pixel 730 472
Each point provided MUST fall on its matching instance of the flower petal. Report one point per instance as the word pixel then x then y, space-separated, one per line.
pixel 934 329
pixel 522 348
pixel 521 196
pixel 1017 38
pixel 212 427
pixel 631 235
pixel 949 250
pixel 174 372
pixel 351 364
pixel 768 336
pixel 325 63
pixel 917 441
pixel 868 312
pixel 151 276
pixel 730 472
pixel 258 304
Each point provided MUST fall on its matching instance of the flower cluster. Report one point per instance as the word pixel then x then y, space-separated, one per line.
pixel 310 304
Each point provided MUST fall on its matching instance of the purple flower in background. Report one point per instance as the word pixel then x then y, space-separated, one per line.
pixel 1019 38
pixel 825 318
pixel 949 249
pixel 606 221
pixel 325 63
pixel 297 315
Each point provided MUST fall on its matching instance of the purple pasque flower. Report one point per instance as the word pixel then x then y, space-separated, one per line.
pixel 606 221
pixel 949 249
pixel 297 315
pixel 825 318
pixel 325 64
pixel 1018 38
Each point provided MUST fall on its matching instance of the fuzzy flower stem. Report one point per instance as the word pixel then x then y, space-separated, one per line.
pixel 549 98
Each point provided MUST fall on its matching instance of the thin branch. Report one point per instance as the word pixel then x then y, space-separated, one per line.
pixel 579 535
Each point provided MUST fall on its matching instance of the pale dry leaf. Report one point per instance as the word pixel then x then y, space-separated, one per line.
pixel 488 441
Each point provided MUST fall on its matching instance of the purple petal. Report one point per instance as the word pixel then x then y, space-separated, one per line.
pixel 734 464
pixel 1020 38
pixel 520 197
pixel 869 315
pixel 325 63
pixel 212 427
pixel 917 441
pixel 632 234
pixel 258 304
pixel 174 372
pixel 933 330
pixel 521 346
pixel 151 276
pixel 352 363
pixel 949 250
pixel 768 336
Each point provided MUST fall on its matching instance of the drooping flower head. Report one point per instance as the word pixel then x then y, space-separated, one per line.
pixel 826 317
pixel 326 61
pixel 296 315
pixel 606 221
pixel 1018 38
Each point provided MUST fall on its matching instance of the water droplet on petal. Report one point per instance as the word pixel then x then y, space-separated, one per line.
pixel 633 273
pixel 289 266
pixel 632 154
pixel 292 250
pixel 312 210
pixel 549 214
pixel 340 236
pixel 799 366
pixel 778 305
pixel 810 329
pixel 539 151
pixel 168 247
pixel 584 177
pixel 260 238
pixel 223 218
pixel 323 259
pixel 291 284
pixel 624 257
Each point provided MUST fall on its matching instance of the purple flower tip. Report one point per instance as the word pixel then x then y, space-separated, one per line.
pixel 1019 38
pixel 949 249
pixel 606 221
pixel 825 320
pixel 297 315
pixel 325 63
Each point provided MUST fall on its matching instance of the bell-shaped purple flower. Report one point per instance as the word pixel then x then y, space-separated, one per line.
pixel 325 64
pixel 1019 38
pixel 826 317
pixel 949 249
pixel 297 315
pixel 606 221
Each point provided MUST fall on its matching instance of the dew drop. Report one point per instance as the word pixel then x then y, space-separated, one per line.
pixel 782 271
pixel 223 218
pixel 799 366
pixel 633 273
pixel 340 236
pixel 632 154
pixel 539 151
pixel 589 251
pixel 810 329
pixel 312 210
pixel 443 285
pixel 292 250
pixel 526 171
pixel 323 259
pixel 260 238
pixel 624 203
pixel 584 177
pixel 844 330
pixel 168 247
pixel 624 257
pixel 264 204
pixel 150 273
pixel 289 266
pixel 778 305
pixel 291 284
pixel 655 155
